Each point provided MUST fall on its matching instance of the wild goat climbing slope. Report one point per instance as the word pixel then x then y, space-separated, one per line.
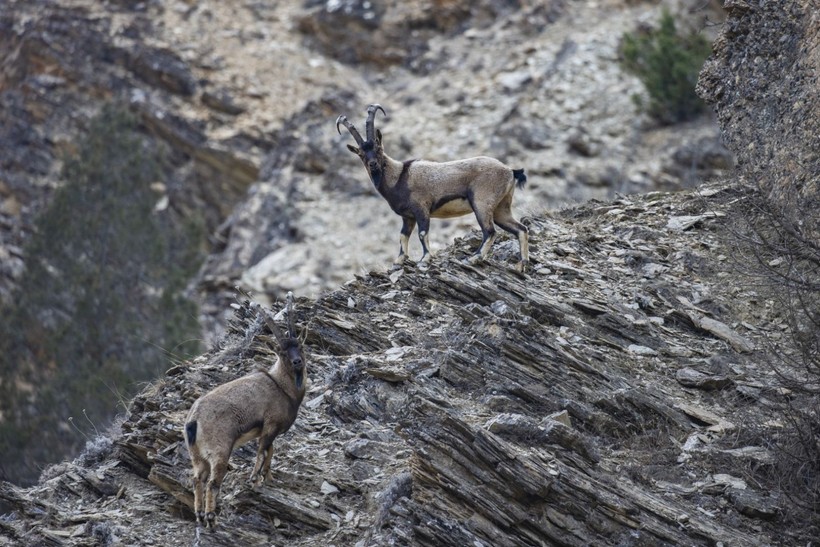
pixel 260 405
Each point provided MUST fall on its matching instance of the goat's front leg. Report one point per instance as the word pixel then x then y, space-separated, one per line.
pixel 423 220
pixel 261 469
pixel 408 224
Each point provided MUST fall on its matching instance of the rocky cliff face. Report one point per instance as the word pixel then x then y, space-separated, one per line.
pixel 763 81
pixel 614 395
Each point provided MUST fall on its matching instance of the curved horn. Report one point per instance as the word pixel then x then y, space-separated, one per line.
pixel 289 312
pixel 353 131
pixel 371 115
pixel 274 329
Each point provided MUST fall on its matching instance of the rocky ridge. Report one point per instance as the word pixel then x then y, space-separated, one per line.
pixel 613 396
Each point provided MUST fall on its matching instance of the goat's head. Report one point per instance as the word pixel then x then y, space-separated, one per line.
pixel 370 149
pixel 290 349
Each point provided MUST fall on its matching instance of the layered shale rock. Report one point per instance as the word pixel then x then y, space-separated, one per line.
pixel 471 404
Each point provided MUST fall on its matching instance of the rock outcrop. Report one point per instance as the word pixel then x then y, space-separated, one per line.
pixel 612 396
pixel 762 81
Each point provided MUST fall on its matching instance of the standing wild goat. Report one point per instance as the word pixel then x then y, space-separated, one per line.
pixel 262 404
pixel 418 190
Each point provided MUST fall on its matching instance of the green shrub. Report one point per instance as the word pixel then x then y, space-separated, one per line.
pixel 668 64
pixel 101 306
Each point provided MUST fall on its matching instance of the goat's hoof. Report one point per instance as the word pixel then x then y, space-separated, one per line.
pixel 474 259
pixel 521 267
pixel 210 521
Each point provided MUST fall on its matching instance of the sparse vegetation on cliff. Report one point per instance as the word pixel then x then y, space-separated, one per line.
pixel 668 63
pixel 779 253
pixel 101 305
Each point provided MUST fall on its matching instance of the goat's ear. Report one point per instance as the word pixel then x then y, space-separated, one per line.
pixel 353 149
pixel 378 137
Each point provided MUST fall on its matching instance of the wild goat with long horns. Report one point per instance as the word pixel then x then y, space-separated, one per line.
pixel 260 405
pixel 419 190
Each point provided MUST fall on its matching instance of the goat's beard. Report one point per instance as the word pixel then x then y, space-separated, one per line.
pixel 376 176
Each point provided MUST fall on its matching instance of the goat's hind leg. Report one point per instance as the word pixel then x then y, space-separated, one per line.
pixel 485 221
pixel 201 472
pixel 505 220
pixel 218 471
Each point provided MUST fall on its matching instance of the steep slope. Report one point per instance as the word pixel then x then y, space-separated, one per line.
pixel 613 396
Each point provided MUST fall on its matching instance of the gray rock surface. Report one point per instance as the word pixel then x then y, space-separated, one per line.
pixel 463 405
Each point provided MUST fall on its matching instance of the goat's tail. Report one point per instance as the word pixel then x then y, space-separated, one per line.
pixel 190 433
pixel 520 177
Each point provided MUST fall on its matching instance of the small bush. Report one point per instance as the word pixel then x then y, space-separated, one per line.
pixel 778 246
pixel 668 64
pixel 96 450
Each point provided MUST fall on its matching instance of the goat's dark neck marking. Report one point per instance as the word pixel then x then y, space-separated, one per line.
pixel 397 194
pixel 405 172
